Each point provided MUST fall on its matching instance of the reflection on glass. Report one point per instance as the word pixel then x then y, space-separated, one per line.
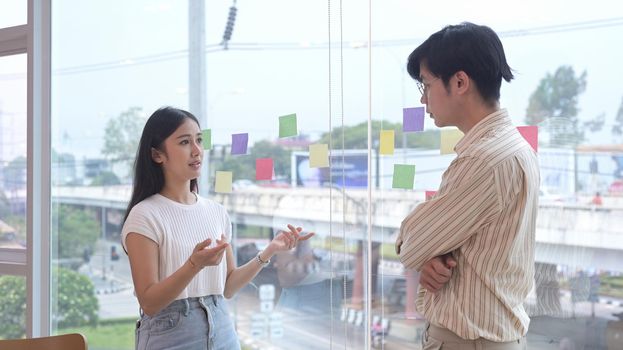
pixel 13 151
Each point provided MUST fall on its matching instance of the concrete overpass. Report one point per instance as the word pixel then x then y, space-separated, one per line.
pixel 573 235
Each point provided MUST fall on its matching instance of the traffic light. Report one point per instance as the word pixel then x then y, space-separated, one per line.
pixel 229 27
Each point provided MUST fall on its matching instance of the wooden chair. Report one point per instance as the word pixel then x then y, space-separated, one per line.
pixel 72 341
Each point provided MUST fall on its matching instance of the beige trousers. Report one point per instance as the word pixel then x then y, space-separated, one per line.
pixel 436 338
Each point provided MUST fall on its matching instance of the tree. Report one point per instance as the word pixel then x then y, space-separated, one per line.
pixel 5 205
pixel 75 304
pixel 105 178
pixel 554 105
pixel 12 307
pixel 121 137
pixel 617 127
pixel 243 167
pixel 356 137
pixel 77 230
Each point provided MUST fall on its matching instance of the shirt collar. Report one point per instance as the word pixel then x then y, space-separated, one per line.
pixel 493 121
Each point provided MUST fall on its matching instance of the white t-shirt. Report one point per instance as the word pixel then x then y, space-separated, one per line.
pixel 177 228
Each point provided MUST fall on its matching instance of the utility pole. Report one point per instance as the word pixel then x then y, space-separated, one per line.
pixel 197 77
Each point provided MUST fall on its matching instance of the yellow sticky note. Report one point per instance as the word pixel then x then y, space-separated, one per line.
pixel 223 181
pixel 449 138
pixel 387 142
pixel 319 155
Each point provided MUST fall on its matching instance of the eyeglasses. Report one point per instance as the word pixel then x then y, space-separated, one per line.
pixel 423 87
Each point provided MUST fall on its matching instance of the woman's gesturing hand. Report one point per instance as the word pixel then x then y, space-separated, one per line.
pixel 203 256
pixel 286 240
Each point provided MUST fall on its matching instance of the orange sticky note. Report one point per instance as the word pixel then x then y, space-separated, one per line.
pixel 531 134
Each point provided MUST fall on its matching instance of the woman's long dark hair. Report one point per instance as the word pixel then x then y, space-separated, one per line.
pixel 148 175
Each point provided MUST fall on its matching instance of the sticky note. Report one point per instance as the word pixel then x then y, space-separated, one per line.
pixel 387 142
pixel 264 169
pixel 223 181
pixel 206 138
pixel 531 134
pixel 429 194
pixel 319 155
pixel 287 126
pixel 404 175
pixel 449 138
pixel 413 119
pixel 239 143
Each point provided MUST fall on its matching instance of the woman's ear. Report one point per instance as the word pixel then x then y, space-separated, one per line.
pixel 156 156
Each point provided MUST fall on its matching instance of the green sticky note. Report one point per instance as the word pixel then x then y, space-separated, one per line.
pixel 404 175
pixel 206 136
pixel 223 181
pixel 319 155
pixel 449 139
pixel 287 125
pixel 387 142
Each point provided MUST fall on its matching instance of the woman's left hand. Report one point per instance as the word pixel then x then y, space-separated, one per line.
pixel 286 240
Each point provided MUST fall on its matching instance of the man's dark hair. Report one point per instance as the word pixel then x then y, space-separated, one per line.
pixel 467 47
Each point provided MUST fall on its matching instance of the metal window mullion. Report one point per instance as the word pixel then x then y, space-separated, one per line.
pixel 38 141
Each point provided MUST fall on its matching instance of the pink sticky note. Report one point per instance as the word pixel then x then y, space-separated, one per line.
pixel 264 169
pixel 429 194
pixel 531 134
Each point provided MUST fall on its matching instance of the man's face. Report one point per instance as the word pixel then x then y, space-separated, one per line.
pixel 437 98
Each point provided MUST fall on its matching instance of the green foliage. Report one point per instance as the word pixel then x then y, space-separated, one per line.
pixel 76 228
pixel 105 178
pixel 76 304
pixel 356 137
pixel 243 167
pixel 554 105
pixel 122 135
pixel 12 307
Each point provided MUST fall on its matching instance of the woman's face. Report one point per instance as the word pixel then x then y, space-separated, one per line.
pixel 182 153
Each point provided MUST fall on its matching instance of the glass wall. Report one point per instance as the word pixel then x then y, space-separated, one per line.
pixel 271 59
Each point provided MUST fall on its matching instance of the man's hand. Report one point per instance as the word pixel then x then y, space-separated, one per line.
pixel 437 272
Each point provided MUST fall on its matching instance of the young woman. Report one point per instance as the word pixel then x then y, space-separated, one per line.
pixel 178 243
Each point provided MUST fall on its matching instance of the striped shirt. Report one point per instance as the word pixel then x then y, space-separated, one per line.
pixel 484 214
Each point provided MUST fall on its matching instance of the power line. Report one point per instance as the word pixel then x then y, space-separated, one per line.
pixel 213 48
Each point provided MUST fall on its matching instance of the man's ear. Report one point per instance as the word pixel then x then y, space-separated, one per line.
pixel 156 156
pixel 462 81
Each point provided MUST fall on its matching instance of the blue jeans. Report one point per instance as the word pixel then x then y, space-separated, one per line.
pixel 201 323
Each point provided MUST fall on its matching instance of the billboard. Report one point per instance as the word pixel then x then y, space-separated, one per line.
pixel 348 170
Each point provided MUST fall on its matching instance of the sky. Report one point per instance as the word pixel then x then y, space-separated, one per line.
pixel 110 56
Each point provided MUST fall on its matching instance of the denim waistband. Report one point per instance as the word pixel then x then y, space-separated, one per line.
pixel 187 304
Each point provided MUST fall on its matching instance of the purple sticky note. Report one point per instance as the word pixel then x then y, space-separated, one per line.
pixel 413 119
pixel 239 143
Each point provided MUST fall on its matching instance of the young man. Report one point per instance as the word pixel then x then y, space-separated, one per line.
pixel 473 242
